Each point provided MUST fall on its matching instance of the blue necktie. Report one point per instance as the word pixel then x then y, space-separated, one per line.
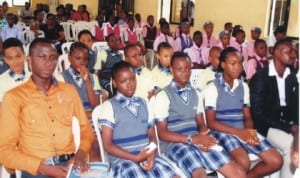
pixel 183 93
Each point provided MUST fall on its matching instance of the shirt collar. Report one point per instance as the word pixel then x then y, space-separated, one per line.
pixel 225 85
pixel 187 87
pixel 164 69
pixel 196 47
pixel 260 58
pixel 273 72
pixel 17 77
pixel 124 101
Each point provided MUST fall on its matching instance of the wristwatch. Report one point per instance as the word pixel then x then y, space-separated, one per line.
pixel 189 139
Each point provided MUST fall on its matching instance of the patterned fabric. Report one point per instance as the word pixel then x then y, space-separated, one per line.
pixel 76 77
pixel 128 169
pixel 190 157
pixel 182 92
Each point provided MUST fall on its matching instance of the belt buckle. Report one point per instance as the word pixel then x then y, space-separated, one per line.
pixel 49 161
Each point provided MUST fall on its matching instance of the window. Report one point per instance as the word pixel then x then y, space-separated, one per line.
pixel 14 2
pixel 279 14
pixel 177 10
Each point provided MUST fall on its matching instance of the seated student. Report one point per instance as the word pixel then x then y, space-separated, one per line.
pixel 227 110
pixel 36 121
pixel 14 57
pixel 228 27
pixel 210 72
pixel 133 55
pixel 86 84
pixel 85 37
pixel 161 74
pixel 224 37
pixel 239 45
pixel 258 61
pixel 54 32
pixel 208 39
pixel 255 34
pixel 274 97
pixel 127 130
pixel 149 32
pixel 184 40
pixel 80 14
pixel 279 34
pixel 98 31
pixel 11 30
pixel 181 128
pixel 130 34
pixel 197 53
pixel 111 27
pixel 295 155
pixel 33 32
pixel 138 21
pixel 163 36
pixel 106 59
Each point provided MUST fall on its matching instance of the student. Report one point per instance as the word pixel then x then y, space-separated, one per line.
pixel 255 34
pixel 80 14
pixel 161 73
pixel 224 37
pixel 139 24
pixel 85 37
pixel 197 53
pixel 258 61
pixel 130 34
pixel 208 39
pixel 98 31
pixel 184 136
pixel 238 44
pixel 210 72
pixel 227 110
pixel 163 36
pixel 3 21
pixel 133 55
pixel 279 34
pixel 11 30
pixel 36 120
pixel 274 93
pixel 228 27
pixel 33 32
pixel 106 59
pixel 14 57
pixel 184 40
pixel 127 130
pixel 149 32
pixel 112 27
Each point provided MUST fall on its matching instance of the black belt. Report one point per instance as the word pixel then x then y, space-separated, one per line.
pixel 58 159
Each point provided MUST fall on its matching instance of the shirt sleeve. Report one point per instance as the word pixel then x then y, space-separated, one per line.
pixel 161 99
pixel 210 95
pixel 246 95
pixel 105 114
pixel 200 108
pixel 96 83
pixel 9 137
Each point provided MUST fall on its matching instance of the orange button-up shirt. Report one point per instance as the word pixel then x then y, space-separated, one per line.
pixel 40 125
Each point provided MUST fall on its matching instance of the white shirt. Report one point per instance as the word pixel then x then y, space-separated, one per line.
pixel 280 81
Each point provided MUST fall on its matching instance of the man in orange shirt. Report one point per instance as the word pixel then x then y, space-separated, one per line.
pixel 36 121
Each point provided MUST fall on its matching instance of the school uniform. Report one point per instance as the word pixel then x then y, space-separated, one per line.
pixel 144 82
pixel 149 33
pixel 105 61
pixel 9 80
pixel 180 107
pixel 183 42
pixel 253 64
pixel 122 114
pixel 130 36
pixel 161 77
pixel 108 29
pixel 250 48
pixel 163 38
pixel 228 104
pixel 242 49
pixel 71 77
pixel 98 33
pixel 208 42
pixel 198 55
pixel 11 32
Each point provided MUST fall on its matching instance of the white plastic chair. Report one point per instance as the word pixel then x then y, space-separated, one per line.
pixel 99 46
pixel 63 63
pixel 67 26
pixel 194 77
pixel 65 47
pixel 79 26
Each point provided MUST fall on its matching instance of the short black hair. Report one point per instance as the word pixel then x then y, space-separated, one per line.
pixel 36 41
pixel 163 45
pixel 178 55
pixel 258 41
pixel 12 42
pixel 197 33
pixel 280 29
pixel 128 47
pixel 82 32
pixel 117 67
pixel 282 41
pixel 77 45
pixel 227 23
